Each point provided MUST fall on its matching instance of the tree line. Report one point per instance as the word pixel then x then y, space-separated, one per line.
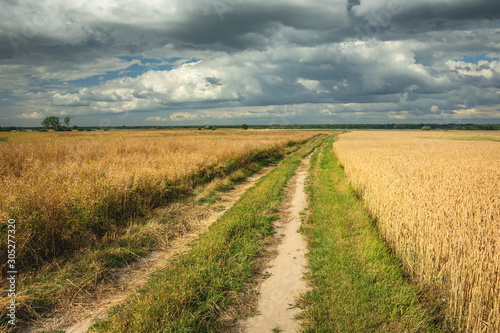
pixel 54 123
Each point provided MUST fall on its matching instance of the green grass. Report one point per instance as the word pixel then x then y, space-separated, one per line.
pixel 358 285
pixel 191 293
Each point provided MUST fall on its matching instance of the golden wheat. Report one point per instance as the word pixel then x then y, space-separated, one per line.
pixel 437 199
pixel 68 189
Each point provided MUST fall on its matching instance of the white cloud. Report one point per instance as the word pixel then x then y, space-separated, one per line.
pixel 180 116
pixel 483 68
pixel 313 85
pixel 156 119
pixel 68 100
pixel 33 115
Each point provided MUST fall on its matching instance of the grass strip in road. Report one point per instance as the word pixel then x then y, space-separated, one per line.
pixel 189 295
pixel 358 284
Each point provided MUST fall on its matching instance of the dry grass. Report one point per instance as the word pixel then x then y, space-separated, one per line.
pixel 67 190
pixel 71 286
pixel 438 206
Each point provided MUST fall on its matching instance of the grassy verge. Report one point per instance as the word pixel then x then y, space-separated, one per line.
pixel 190 294
pixel 358 285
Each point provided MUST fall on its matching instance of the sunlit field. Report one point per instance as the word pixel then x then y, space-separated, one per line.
pixel 67 189
pixel 436 196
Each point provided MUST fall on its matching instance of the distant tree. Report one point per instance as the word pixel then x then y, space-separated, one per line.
pixel 244 126
pixel 66 122
pixel 51 122
pixel 426 128
pixel 199 128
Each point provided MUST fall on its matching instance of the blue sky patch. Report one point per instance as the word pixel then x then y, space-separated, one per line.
pixel 133 71
pixel 475 59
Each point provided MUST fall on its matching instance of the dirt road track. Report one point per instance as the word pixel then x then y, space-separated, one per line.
pixel 279 292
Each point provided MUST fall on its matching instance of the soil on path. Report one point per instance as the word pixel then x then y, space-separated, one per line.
pixel 79 316
pixel 278 294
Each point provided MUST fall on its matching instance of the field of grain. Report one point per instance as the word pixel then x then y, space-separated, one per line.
pixel 67 189
pixel 436 196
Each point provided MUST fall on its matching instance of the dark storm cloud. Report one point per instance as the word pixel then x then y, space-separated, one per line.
pixel 247 25
pixel 400 19
pixel 455 11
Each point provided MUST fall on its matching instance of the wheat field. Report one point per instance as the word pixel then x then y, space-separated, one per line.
pixel 67 189
pixel 436 197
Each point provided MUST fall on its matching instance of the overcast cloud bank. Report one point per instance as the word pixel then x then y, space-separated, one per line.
pixel 287 61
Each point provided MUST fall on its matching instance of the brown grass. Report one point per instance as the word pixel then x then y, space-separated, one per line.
pixel 438 206
pixel 67 190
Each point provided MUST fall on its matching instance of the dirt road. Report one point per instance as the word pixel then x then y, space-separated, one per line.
pixel 278 293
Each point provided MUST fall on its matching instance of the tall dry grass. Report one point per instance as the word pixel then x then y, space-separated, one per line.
pixel 67 190
pixel 437 200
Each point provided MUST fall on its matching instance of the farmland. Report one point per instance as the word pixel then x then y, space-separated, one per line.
pixel 69 189
pixel 402 227
pixel 437 203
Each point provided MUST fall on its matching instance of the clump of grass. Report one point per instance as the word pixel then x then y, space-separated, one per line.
pixel 207 195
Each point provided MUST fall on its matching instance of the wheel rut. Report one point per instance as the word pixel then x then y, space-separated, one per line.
pixel 278 293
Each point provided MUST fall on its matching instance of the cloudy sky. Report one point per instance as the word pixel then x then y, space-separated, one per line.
pixel 182 62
